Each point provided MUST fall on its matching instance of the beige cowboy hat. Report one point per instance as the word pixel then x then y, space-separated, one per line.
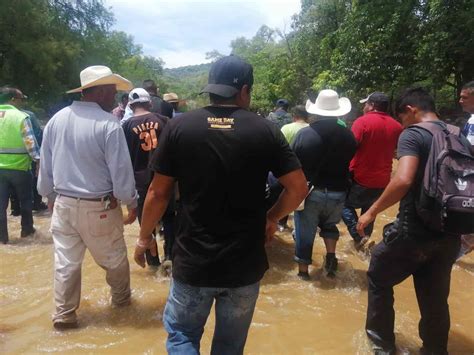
pixel 170 97
pixel 328 103
pixel 101 75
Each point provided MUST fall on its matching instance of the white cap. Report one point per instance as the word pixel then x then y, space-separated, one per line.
pixel 138 95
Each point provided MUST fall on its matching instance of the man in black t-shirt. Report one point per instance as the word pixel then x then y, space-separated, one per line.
pixel 220 156
pixel 410 249
pixel 325 149
pixel 142 133
pixel 158 105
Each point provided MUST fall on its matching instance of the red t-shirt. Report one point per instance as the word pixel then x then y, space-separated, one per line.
pixel 377 136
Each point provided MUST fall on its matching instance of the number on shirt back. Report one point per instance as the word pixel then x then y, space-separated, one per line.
pixel 151 141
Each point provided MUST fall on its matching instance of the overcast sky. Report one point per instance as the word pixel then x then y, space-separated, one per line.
pixel 181 31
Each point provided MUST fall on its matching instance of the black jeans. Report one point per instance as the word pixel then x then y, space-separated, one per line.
pixel 274 191
pixel 14 202
pixel 20 181
pixel 359 197
pixel 430 263
pixel 150 259
pixel 169 220
pixel 37 199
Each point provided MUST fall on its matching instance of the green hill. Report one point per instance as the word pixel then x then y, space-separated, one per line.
pixel 187 82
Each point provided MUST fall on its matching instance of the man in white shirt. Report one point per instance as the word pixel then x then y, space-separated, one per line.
pixel 85 170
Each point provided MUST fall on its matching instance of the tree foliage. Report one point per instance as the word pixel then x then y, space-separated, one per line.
pixel 44 44
pixel 353 46
pixel 359 46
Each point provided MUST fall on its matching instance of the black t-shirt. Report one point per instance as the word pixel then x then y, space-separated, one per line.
pixel 142 134
pixel 221 157
pixel 325 149
pixel 161 107
pixel 415 141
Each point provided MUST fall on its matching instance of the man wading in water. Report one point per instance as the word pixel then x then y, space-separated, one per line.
pixel 325 149
pixel 412 249
pixel 220 155
pixel 85 168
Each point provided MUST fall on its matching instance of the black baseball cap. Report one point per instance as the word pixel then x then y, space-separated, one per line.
pixel 282 102
pixel 375 97
pixel 228 75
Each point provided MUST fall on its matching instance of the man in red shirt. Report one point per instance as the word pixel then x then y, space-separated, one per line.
pixel 377 135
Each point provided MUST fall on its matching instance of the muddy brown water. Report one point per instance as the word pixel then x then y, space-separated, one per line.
pixel 322 316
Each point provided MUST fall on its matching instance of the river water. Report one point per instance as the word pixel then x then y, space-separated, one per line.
pixel 322 316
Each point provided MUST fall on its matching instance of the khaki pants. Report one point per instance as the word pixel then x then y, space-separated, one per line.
pixel 77 225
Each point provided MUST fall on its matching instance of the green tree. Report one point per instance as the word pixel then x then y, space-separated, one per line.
pixel 375 48
pixel 45 44
pixel 445 50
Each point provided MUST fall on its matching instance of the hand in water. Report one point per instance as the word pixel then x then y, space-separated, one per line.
pixel 141 247
pixel 364 221
pixel 132 215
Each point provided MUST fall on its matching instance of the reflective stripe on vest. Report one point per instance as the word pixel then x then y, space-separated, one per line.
pixel 13 151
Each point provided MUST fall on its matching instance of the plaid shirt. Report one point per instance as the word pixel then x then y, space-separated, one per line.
pixel 29 139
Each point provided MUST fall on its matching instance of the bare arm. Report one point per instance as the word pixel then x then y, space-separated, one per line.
pixel 156 201
pixel 393 193
pixel 295 191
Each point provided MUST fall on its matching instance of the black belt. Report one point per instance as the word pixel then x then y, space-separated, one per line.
pixel 325 189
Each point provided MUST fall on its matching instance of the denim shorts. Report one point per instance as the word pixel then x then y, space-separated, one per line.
pixel 322 209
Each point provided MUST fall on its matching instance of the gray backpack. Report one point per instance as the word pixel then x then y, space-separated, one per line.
pixel 446 200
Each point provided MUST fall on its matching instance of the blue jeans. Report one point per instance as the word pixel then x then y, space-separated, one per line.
pixel 322 209
pixel 187 310
pixel 20 181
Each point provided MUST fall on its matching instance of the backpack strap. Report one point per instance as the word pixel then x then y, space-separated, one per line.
pixel 434 128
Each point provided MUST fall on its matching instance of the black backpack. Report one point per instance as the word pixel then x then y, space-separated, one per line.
pixel 446 199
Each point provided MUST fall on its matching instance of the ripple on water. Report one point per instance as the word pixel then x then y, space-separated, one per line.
pixel 70 346
pixel 10 294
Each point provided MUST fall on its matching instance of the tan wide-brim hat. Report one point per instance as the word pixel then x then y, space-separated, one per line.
pixel 170 97
pixel 329 104
pixel 97 75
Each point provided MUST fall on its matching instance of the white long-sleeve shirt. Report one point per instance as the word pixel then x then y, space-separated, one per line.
pixel 84 154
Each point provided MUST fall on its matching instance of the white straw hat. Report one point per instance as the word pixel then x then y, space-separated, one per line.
pixel 328 103
pixel 101 75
